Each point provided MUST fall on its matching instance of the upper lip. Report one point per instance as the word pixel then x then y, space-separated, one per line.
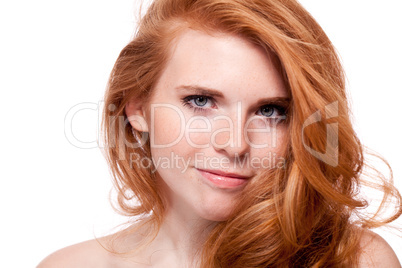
pixel 226 174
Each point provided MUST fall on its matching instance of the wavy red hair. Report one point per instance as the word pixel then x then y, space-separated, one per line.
pixel 308 214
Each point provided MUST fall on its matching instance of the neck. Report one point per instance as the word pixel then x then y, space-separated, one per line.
pixel 183 230
pixel 178 242
pixel 183 235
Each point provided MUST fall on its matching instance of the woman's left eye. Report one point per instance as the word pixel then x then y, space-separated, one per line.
pixel 272 111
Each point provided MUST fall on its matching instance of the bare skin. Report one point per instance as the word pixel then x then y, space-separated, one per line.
pixel 376 253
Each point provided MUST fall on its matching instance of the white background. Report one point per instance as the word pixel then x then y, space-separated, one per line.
pixel 57 54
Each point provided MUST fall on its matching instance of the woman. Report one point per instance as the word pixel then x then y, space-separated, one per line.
pixel 228 134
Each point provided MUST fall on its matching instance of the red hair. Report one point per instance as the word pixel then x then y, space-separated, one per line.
pixel 307 214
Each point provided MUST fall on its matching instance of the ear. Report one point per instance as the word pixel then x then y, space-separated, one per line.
pixel 135 112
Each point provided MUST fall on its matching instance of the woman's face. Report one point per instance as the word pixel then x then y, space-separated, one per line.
pixel 215 120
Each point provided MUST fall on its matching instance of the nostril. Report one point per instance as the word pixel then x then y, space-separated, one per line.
pixel 231 147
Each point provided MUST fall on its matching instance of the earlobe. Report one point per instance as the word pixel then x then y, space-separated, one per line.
pixel 136 115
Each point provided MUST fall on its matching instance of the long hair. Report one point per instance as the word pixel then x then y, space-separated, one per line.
pixel 307 214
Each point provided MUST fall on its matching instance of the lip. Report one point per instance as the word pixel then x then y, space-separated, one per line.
pixel 224 180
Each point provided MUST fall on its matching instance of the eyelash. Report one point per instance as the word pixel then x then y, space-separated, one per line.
pixel 187 101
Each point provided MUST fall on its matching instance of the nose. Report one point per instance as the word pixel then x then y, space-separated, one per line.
pixel 228 135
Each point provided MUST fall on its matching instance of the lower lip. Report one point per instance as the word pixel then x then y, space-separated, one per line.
pixel 223 181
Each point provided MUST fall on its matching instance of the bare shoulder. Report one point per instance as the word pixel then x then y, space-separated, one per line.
pixel 376 252
pixel 112 251
pixel 85 254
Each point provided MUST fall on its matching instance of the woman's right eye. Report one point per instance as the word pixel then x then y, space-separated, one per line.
pixel 198 102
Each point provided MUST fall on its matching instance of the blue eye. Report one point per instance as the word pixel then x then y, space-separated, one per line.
pixel 198 102
pixel 201 101
pixel 267 111
pixel 273 111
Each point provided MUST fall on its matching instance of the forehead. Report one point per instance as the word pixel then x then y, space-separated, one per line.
pixel 228 63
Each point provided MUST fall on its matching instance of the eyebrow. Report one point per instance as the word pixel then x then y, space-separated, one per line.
pixel 283 101
pixel 202 90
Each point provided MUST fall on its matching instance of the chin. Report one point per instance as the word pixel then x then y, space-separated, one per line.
pixel 216 213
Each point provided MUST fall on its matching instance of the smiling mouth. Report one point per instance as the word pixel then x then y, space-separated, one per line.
pixel 224 180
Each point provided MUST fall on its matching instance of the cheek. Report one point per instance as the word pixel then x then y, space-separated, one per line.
pixel 267 135
pixel 268 146
pixel 170 148
pixel 166 126
pixel 197 132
